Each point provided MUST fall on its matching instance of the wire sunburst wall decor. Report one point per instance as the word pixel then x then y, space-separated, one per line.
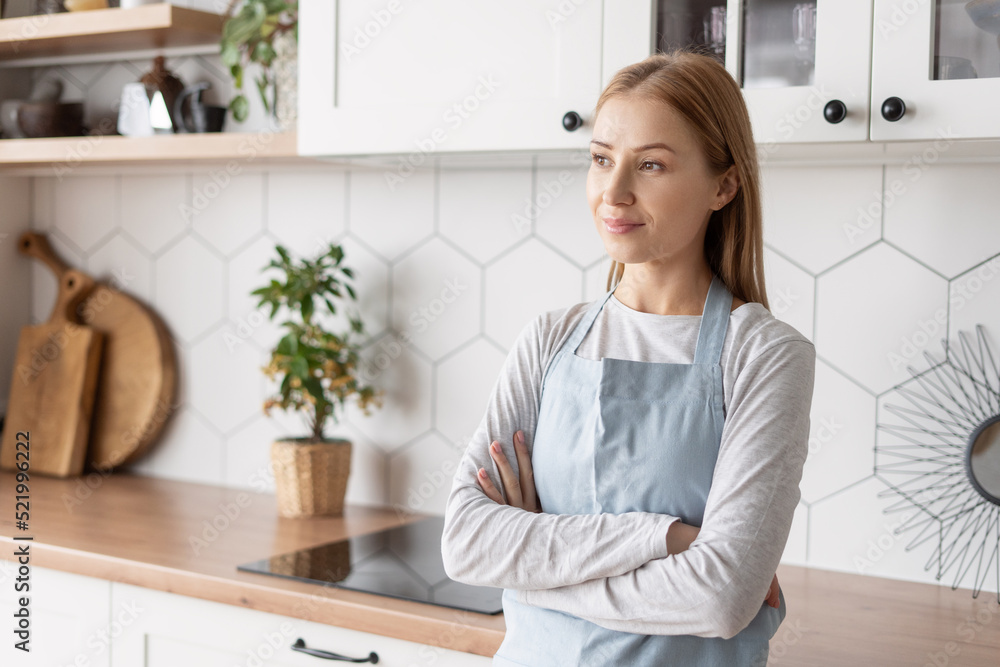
pixel 945 465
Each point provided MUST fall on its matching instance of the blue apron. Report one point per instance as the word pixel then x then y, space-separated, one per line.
pixel 617 436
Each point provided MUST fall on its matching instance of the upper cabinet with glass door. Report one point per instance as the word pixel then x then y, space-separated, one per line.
pixel 804 66
pixel 936 69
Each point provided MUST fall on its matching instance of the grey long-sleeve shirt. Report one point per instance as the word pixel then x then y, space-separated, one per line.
pixel 613 569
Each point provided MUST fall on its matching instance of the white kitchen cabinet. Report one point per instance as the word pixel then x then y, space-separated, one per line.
pixel 171 630
pixel 802 80
pixel 854 70
pixel 391 77
pixel 942 66
pixel 412 78
pixel 71 619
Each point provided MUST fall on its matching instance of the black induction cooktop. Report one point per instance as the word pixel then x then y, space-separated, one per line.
pixel 403 562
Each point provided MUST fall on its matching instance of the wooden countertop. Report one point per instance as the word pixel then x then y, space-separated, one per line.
pixel 137 530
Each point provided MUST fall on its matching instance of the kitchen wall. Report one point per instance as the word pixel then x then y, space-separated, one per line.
pixel 15 278
pixel 460 259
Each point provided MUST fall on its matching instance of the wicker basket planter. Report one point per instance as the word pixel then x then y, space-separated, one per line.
pixel 310 478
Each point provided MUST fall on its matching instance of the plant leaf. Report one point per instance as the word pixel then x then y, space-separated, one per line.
pixel 263 53
pixel 288 345
pixel 262 84
pixel 240 108
pixel 230 53
pixel 237 73
pixel 299 367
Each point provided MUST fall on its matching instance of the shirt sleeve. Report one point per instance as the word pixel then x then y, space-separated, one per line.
pixel 488 544
pixel 717 586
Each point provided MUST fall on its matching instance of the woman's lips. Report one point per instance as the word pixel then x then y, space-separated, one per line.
pixel 620 225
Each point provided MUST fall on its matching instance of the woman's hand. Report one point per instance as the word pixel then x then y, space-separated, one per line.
pixel 772 594
pixel 519 489
pixel 680 535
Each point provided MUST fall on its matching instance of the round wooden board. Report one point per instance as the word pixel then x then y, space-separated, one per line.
pixel 137 383
pixel 136 387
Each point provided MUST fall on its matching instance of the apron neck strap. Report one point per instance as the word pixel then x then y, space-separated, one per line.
pixel 714 323
pixel 585 322
pixel 711 334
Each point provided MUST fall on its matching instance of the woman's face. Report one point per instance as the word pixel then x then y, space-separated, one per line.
pixel 649 186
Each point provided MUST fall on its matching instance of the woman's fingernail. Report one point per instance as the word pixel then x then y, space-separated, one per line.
pixel 520 437
pixel 482 472
pixel 495 447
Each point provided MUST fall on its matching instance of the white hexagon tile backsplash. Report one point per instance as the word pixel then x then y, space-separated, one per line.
pixel 460 260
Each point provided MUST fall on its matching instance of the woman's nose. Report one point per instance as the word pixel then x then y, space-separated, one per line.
pixel 618 188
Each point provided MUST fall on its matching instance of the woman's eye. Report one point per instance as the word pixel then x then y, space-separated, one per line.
pixel 597 158
pixel 650 162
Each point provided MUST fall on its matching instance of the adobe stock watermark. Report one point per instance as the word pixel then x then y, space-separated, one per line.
pixel 248 325
pixel 962 291
pixel 967 630
pixel 81 148
pixel 546 194
pixel 454 117
pixel 100 640
pixel 562 13
pixel 260 480
pixel 84 146
pixel 790 634
pixel 391 347
pixel 364 34
pixel 794 120
pixel 245 329
pixel 447 639
pixel 828 429
pixel 221 178
pixel 426 488
pixel 86 310
pixel 914 167
pixel 902 12
pixel 887 539
pixel 783 300
pixel 87 485
pixel 269 645
pixel 30 26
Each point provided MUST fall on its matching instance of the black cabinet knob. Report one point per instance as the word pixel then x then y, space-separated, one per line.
pixel 572 121
pixel 835 111
pixel 893 109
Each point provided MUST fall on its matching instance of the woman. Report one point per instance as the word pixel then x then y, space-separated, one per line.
pixel 646 447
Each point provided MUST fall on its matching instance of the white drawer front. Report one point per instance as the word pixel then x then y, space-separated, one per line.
pixel 174 630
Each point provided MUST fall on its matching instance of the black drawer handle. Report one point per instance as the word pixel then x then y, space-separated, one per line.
pixel 300 645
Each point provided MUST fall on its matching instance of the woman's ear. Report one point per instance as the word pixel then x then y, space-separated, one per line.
pixel 729 184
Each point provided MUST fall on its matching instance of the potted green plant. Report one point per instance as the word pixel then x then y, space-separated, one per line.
pixel 317 371
pixel 263 32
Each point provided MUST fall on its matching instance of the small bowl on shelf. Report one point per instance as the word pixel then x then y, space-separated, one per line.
pixel 50 119
pixel 985 14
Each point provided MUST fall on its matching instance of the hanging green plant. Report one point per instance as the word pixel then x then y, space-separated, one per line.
pixel 248 36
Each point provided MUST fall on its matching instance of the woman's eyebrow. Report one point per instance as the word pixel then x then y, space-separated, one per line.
pixel 636 150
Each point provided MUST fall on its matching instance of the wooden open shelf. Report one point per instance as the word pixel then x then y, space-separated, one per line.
pixel 107 30
pixel 68 152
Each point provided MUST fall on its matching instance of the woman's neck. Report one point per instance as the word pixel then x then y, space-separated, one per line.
pixel 665 289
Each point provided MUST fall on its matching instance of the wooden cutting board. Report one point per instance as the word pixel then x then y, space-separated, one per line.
pixel 53 388
pixel 138 375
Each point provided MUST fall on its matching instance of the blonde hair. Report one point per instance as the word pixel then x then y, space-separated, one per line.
pixel 698 87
